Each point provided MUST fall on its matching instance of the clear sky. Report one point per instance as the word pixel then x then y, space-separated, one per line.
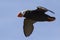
pixel 11 27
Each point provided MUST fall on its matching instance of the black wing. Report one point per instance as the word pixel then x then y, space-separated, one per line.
pixel 28 27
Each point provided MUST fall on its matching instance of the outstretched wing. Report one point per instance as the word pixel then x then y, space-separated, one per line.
pixel 28 27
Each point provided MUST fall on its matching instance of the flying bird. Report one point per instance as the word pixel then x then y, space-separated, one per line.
pixel 32 16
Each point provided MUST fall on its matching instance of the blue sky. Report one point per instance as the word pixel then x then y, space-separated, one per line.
pixel 11 27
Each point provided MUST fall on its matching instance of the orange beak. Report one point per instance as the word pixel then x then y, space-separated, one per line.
pixel 20 15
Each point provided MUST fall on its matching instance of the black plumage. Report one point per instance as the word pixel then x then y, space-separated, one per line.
pixel 38 15
pixel 32 16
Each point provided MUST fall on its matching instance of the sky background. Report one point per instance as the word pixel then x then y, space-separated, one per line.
pixel 11 27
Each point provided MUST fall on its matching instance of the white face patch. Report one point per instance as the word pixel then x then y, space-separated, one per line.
pixel 23 12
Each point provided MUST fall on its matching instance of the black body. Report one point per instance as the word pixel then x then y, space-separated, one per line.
pixel 38 15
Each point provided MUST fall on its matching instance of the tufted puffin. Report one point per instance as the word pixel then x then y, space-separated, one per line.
pixel 32 16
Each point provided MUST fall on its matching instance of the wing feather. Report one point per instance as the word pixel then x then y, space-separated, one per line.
pixel 28 27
